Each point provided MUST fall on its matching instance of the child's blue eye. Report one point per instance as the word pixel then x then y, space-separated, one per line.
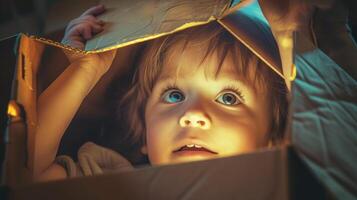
pixel 173 96
pixel 228 98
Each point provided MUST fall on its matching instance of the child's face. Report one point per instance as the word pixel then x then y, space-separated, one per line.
pixel 191 106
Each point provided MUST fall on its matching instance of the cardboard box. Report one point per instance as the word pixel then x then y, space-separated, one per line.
pixel 271 174
pixel 276 174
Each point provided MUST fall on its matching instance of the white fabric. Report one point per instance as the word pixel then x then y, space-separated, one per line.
pixel 94 159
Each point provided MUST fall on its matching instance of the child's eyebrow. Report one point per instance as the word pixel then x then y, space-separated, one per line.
pixel 232 79
pixel 244 84
pixel 165 78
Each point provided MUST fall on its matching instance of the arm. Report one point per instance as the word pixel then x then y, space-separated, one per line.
pixel 58 104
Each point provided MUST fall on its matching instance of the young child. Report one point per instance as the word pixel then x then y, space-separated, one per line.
pixel 197 94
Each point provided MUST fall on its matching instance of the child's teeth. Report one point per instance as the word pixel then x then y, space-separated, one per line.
pixel 193 145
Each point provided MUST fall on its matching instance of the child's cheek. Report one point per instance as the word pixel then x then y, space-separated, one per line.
pixel 237 129
pixel 161 129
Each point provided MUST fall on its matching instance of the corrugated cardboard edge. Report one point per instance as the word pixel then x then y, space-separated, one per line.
pixel 223 12
pixel 143 39
pixel 155 36
pixel 252 49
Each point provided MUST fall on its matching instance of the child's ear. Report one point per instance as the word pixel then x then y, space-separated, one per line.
pixel 144 150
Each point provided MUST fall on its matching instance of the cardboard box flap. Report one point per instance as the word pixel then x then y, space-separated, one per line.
pixel 133 21
pixel 23 112
pixel 251 28
pixel 129 22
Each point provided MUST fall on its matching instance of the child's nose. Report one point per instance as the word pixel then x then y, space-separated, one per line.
pixel 195 119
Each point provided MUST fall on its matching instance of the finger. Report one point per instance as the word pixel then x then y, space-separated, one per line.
pixel 86 32
pixel 75 22
pixel 95 26
pixel 82 30
pixel 101 22
pixel 95 10
pixel 88 17
pixel 77 44
pixel 76 41
pixel 91 24
pixel 81 20
pixel 77 36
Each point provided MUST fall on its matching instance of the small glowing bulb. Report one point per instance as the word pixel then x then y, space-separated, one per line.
pixel 13 110
pixel 286 42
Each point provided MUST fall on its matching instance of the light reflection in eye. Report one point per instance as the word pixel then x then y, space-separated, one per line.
pixel 173 96
pixel 228 98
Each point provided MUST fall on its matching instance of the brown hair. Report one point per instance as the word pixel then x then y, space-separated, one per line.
pixel 248 66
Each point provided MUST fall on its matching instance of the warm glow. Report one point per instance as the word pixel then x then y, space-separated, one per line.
pixel 13 109
pixel 286 42
pixel 200 125
pixel 293 73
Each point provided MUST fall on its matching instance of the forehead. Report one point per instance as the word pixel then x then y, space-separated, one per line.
pixel 183 60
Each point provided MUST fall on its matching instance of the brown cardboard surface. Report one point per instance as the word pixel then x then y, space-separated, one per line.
pixel 260 175
pixel 21 132
pixel 132 21
pixel 28 61
pixel 240 26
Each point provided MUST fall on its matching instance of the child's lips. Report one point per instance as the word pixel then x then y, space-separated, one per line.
pixel 194 150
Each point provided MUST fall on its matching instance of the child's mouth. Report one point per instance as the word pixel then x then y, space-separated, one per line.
pixel 193 149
